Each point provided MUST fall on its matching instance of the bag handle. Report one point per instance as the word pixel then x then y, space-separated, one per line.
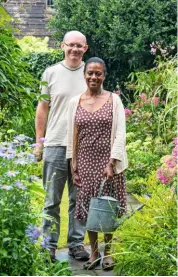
pixel 101 187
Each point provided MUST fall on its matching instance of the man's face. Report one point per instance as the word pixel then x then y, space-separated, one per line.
pixel 74 47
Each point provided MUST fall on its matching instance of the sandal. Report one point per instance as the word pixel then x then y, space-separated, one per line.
pixel 108 265
pixel 91 265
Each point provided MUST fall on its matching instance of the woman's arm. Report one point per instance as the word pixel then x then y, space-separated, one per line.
pixel 119 143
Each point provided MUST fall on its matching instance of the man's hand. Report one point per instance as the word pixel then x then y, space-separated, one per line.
pixel 38 151
pixel 75 177
pixel 76 180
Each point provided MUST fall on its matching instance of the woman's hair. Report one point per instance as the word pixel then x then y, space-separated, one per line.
pixel 95 60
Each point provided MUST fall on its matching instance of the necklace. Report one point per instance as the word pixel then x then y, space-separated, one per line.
pixel 96 97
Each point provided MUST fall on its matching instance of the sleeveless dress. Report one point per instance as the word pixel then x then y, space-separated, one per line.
pixel 93 154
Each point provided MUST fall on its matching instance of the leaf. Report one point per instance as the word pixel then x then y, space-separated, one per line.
pixel 6 239
pixel 3 252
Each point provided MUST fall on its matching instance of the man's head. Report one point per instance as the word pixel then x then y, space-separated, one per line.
pixel 74 45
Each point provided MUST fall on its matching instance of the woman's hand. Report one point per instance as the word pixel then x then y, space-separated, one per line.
pixel 108 172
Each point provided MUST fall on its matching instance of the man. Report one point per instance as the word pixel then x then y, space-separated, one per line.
pixel 64 80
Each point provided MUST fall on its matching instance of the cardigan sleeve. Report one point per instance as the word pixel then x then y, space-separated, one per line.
pixel 118 148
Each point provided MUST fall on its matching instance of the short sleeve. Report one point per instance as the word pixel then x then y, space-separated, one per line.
pixel 44 85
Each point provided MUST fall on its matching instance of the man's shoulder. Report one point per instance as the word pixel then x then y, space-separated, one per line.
pixel 54 67
pixel 75 99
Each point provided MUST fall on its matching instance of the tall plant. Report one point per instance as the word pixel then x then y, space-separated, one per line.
pixel 17 86
pixel 118 31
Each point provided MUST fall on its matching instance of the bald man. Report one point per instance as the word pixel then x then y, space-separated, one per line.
pixel 64 80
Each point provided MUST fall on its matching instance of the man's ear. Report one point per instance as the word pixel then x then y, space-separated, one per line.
pixel 86 48
pixel 62 45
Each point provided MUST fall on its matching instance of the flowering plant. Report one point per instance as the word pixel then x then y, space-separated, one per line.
pixel 22 246
pixel 167 172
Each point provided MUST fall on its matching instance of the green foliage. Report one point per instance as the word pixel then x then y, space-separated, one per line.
pixel 118 31
pixel 38 62
pixel 21 254
pixel 18 86
pixel 161 82
pixel 151 121
pixel 34 44
pixel 147 241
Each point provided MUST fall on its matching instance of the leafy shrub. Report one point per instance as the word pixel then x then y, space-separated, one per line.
pixel 120 32
pixel 151 121
pixel 18 86
pixel 34 44
pixel 38 62
pixel 147 241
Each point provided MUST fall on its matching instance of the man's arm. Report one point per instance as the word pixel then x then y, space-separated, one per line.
pixel 40 126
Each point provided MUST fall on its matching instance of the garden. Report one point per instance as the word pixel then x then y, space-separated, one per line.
pixel 141 62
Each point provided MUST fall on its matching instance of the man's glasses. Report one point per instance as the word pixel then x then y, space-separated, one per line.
pixel 72 45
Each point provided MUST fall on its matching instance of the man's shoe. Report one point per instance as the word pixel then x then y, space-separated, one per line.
pixel 52 254
pixel 79 253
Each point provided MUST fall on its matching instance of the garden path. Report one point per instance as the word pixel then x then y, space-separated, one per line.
pixel 77 266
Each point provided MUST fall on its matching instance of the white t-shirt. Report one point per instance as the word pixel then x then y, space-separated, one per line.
pixel 63 83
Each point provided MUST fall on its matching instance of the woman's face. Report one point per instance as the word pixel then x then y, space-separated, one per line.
pixel 94 75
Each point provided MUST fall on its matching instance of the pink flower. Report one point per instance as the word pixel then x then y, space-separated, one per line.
pixel 175 151
pixel 175 141
pixel 171 162
pixel 163 102
pixel 143 97
pixel 127 111
pixel 155 101
pixel 163 175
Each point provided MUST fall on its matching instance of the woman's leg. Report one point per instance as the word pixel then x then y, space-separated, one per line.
pixel 93 237
pixel 107 260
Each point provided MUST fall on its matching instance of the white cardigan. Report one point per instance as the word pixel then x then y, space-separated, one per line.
pixel 118 133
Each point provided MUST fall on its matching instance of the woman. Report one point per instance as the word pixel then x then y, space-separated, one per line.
pixel 96 147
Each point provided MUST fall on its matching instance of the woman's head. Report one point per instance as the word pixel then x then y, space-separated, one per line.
pixel 94 72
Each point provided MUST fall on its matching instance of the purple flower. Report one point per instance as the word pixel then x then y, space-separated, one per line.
pixel 12 173
pixel 20 137
pixel 21 161
pixel 6 187
pixel 34 178
pixel 45 242
pixel 33 233
pixel 42 139
pixel 35 144
pixel 20 185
